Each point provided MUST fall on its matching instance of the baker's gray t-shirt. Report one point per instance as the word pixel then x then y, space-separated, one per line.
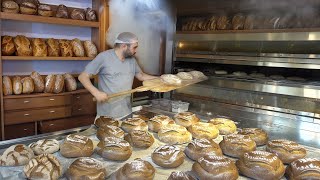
pixel 114 76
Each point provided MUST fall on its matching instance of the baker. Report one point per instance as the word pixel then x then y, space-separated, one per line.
pixel 116 69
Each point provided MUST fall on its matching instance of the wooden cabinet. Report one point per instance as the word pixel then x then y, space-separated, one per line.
pixel 21 113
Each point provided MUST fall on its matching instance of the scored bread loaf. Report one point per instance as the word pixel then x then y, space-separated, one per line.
pixel 256 134
pixel 109 131
pixel 76 146
pixel 38 82
pixel 78 14
pixel 10 7
pixel 155 123
pixel 45 146
pixel 171 79
pixel 28 7
pixel 50 83
pixel 104 121
pixel 23 46
pixel 44 166
pixel 90 49
pixel 186 119
pixel 114 149
pixel 53 47
pixel 66 48
pixel 225 126
pixel 174 134
pixel 39 47
pixel 59 84
pixel 62 11
pixel 179 175
pixel 131 124
pixel 77 48
pixel 17 85
pixel 91 15
pixel 168 156
pixel 70 82
pixel 27 85
pixel 6 85
pixel 306 168
pixel 201 147
pixel 45 10
pixel 86 168
pixel 7 46
pixel 16 155
pixel 203 130
pixel 139 139
pixel 236 145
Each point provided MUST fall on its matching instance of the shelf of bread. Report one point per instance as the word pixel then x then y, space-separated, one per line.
pixel 252 31
pixel 48 20
pixel 28 58
pixel 44 94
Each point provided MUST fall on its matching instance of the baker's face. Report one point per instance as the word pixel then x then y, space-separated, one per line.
pixel 131 50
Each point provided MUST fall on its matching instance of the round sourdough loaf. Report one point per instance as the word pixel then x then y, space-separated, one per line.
pixel 174 134
pixel 168 156
pixel 131 124
pixel 104 121
pixel 86 168
pixel 38 82
pixel 201 147
pixel 114 149
pixel 236 145
pixel 16 155
pixel 225 126
pixel 109 131
pixel 179 175
pixel 258 135
pixel 155 123
pixel 140 139
pixel 6 85
pixel 76 146
pixel 203 130
pixel 186 119
pixel 306 168
pixel 45 146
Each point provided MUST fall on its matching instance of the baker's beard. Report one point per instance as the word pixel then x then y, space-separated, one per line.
pixel 128 54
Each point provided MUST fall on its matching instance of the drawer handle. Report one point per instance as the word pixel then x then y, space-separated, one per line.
pixel 52 111
pixel 51 124
pixel 52 99
pixel 26 114
pixel 26 102
pixel 79 109
pixel 78 97
pixel 25 129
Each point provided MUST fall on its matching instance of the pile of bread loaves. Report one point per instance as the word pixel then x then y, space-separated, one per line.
pixel 23 46
pixel 117 140
pixel 35 83
pixel 34 7
pixel 177 79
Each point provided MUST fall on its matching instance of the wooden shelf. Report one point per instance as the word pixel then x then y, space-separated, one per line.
pixel 44 94
pixel 251 31
pixel 30 58
pixel 48 20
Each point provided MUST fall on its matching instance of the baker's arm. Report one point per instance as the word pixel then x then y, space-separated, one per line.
pixel 141 76
pixel 84 78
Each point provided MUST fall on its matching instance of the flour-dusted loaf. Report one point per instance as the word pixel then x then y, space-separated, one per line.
pixel 236 145
pixel 45 146
pixel 78 14
pixel 179 175
pixel 261 165
pixel 155 123
pixel 86 168
pixel 10 7
pixel 201 147
pixel 90 49
pixel 104 121
pixel 109 131
pixel 287 151
pixel 7 46
pixel 198 75
pixel 59 84
pixel 6 85
pixel 306 168
pixel 258 135
pixel 131 124
pixel 225 125
pixel 50 83
pixel 16 155
pixel 76 146
pixel 53 47
pixel 65 48
pixel 203 130
pixel 44 167
pixel 140 139
pixel 215 167
pixel 17 85
pixel 45 10
pixel 77 48
pixel 171 79
pixel 23 46
pixel 62 11
pixel 186 119
pixel 28 7
pixel 185 76
pixel 39 47
pixel 168 156
pixel 137 169
pixel 114 149
pixel 91 15
pixel 70 82
pixel 27 85
pixel 174 134
pixel 38 82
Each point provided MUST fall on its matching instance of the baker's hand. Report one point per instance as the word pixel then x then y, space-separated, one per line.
pixel 101 96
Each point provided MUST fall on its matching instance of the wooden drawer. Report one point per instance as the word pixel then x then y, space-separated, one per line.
pixel 17 117
pixel 82 104
pixel 82 99
pixel 36 102
pixel 19 130
pixel 62 124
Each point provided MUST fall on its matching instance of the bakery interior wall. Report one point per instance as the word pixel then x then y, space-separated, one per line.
pixel 39 30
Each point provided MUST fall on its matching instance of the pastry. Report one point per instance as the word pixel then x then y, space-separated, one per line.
pixel 114 149
pixel 186 119
pixel 260 165
pixel 203 130
pixel 174 134
pixel 140 139
pixel 225 126
pixel 201 147
pixel 236 145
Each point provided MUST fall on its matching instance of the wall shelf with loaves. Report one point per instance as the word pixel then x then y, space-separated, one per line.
pixel 51 41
